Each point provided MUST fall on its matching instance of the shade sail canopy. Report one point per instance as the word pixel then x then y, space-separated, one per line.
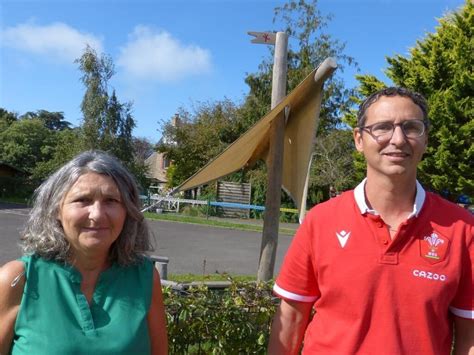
pixel 302 111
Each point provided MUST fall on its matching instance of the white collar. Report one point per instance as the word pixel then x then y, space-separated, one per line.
pixel 359 196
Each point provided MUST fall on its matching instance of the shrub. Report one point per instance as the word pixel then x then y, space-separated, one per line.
pixel 231 321
pixel 19 187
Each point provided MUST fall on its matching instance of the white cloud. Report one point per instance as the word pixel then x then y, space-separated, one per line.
pixel 156 55
pixel 57 40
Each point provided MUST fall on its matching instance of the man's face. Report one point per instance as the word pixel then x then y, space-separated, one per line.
pixel 399 155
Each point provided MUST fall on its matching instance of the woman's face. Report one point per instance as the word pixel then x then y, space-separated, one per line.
pixel 92 214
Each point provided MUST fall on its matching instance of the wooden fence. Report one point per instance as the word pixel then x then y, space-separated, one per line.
pixel 233 192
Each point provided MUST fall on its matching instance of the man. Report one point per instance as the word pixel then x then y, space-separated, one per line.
pixel 386 267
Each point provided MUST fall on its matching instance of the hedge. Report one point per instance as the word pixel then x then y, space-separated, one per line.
pixel 231 321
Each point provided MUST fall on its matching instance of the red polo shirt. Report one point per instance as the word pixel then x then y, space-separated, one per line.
pixel 375 295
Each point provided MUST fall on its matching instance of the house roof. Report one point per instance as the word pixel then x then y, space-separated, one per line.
pixel 155 165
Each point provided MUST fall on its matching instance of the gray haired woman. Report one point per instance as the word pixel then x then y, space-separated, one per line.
pixel 83 284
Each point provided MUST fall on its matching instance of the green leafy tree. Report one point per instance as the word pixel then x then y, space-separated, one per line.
pixel 197 138
pixel 194 143
pixel 37 143
pixel 117 131
pixel 6 119
pixel 440 67
pixel 96 73
pixel 67 144
pixel 25 143
pixel 368 85
pixel 107 123
pixel 304 22
pixel 332 162
pixel 52 120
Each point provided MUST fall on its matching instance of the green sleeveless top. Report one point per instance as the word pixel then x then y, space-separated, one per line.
pixel 55 318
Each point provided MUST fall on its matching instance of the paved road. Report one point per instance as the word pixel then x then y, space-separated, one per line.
pixel 190 248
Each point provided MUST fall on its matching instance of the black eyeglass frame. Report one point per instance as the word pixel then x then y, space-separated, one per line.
pixel 368 128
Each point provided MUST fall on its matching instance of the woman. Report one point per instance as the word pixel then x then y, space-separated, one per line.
pixel 83 284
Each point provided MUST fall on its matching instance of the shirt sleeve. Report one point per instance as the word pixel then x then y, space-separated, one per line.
pixel 463 303
pixel 297 280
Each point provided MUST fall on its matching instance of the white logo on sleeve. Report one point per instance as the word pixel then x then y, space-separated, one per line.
pixel 343 236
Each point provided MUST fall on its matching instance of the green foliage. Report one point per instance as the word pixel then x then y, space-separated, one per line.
pixel 440 67
pixel 53 121
pixel 195 211
pixel 97 72
pixel 303 20
pixel 333 163
pixel 198 137
pixel 188 278
pixel 221 223
pixel 67 144
pixel 16 189
pixel 6 119
pixel 107 123
pixel 234 321
pixel 367 85
pixel 40 142
pixel 206 132
pixel 25 143
pixel 37 143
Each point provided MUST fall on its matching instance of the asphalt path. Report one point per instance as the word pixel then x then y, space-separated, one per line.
pixel 195 249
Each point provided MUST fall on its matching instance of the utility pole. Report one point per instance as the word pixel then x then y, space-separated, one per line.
pixel 275 155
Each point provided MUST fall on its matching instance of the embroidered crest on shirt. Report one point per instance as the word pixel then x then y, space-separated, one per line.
pixel 433 247
pixel 343 237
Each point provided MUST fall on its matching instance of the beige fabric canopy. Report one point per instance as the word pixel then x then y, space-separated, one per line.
pixel 304 104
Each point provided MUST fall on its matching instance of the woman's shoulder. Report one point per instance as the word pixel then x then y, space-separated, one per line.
pixel 141 263
pixel 12 281
pixel 10 271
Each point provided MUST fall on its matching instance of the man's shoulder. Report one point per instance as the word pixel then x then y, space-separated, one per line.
pixel 441 206
pixel 343 201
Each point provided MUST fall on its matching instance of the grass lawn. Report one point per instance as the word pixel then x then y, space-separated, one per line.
pixel 212 222
pixel 20 200
pixel 173 217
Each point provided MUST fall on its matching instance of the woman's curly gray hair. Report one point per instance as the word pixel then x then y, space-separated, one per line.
pixel 44 235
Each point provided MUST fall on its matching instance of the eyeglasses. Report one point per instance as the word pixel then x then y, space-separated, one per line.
pixel 383 131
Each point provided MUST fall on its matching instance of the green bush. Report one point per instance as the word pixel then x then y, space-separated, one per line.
pixel 19 187
pixel 231 321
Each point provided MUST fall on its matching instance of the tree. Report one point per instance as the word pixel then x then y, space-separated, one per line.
pixel 107 124
pixel 117 130
pixel 97 72
pixel 303 20
pixel 7 117
pixel 25 143
pixel 142 148
pixel 52 120
pixel 67 144
pixel 198 137
pixel 440 67
pixel 368 85
pixel 332 161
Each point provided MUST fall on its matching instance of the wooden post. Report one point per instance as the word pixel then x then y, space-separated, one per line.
pixel 275 163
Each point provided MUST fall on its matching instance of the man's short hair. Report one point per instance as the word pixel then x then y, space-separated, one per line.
pixel 417 99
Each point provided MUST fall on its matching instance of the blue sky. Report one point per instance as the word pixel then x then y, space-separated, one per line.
pixel 170 54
